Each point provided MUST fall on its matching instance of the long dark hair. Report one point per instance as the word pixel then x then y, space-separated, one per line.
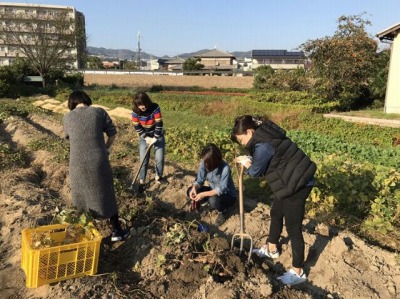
pixel 141 98
pixel 78 97
pixel 244 123
pixel 211 156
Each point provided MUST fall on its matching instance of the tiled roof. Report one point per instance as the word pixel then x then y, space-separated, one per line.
pixel 175 61
pixel 215 54
pixel 389 33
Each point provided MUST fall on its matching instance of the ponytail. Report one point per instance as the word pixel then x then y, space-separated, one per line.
pixel 257 120
pixel 244 123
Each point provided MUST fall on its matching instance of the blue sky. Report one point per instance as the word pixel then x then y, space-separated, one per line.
pixel 181 26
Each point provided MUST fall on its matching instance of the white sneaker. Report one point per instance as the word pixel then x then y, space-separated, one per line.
pixel 292 278
pixel 264 252
pixel 160 180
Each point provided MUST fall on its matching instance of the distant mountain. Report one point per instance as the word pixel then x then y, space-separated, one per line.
pixel 187 55
pixel 241 54
pixel 117 53
pixel 111 54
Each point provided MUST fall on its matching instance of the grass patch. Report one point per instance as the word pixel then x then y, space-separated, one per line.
pixel 373 114
pixel 184 119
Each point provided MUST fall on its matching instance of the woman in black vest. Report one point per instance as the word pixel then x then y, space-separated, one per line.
pixel 290 174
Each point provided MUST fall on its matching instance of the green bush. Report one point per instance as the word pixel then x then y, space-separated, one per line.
pixel 286 97
pixel 9 82
pixel 73 80
pixel 310 101
pixel 347 188
pixel 12 108
pixel 281 80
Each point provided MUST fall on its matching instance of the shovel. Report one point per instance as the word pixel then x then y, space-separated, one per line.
pixel 242 235
pixel 134 187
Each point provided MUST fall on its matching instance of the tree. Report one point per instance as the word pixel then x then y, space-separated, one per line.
pixel 46 41
pixel 94 62
pixel 192 64
pixel 380 75
pixel 263 77
pixel 130 65
pixel 266 78
pixel 342 64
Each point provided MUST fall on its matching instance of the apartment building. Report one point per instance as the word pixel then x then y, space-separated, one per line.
pixel 18 13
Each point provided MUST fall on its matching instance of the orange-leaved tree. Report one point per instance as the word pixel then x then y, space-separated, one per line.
pixel 342 64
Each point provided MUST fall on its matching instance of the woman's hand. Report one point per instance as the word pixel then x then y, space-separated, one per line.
pixel 193 193
pixel 244 160
pixel 150 140
pixel 199 196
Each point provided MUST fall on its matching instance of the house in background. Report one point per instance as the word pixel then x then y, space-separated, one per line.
pixel 278 59
pixel 175 64
pixel 392 98
pixel 110 64
pixel 152 64
pixel 217 60
pixel 244 64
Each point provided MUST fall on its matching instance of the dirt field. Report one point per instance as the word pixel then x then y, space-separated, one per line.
pixel 150 80
pixel 197 265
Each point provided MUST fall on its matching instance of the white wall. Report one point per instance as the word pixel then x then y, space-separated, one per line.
pixel 392 100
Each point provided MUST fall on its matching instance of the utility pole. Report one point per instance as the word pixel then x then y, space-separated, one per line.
pixel 138 50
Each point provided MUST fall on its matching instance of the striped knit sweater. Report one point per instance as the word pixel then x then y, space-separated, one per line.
pixel 148 123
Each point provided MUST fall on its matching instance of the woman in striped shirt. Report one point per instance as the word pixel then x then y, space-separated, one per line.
pixel 147 121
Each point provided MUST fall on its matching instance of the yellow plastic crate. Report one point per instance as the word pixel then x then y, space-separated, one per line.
pixel 48 265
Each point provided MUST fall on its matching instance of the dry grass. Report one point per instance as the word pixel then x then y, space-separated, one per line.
pixel 150 80
pixel 219 107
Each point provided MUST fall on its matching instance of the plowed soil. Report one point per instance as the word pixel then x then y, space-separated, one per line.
pixel 166 255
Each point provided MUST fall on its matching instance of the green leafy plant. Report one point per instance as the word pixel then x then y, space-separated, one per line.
pixel 10 158
pixel 55 145
pixel 73 216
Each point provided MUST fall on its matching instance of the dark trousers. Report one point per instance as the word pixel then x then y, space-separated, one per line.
pixel 114 220
pixel 292 210
pixel 219 203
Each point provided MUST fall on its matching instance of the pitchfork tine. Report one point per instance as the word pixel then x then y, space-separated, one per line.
pixel 242 235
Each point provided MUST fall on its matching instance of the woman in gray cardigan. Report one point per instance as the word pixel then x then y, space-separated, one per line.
pixel 90 172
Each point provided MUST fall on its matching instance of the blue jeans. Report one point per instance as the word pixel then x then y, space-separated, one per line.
pixel 159 149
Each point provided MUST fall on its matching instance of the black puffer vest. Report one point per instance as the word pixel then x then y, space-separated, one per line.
pixel 290 169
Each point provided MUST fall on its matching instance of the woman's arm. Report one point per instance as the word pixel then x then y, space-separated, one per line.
pixel 199 182
pixel 137 126
pixel 158 121
pixel 262 155
pixel 201 195
pixel 201 175
pixel 222 187
pixel 110 141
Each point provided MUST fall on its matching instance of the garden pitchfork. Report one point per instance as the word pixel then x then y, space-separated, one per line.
pixel 242 235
